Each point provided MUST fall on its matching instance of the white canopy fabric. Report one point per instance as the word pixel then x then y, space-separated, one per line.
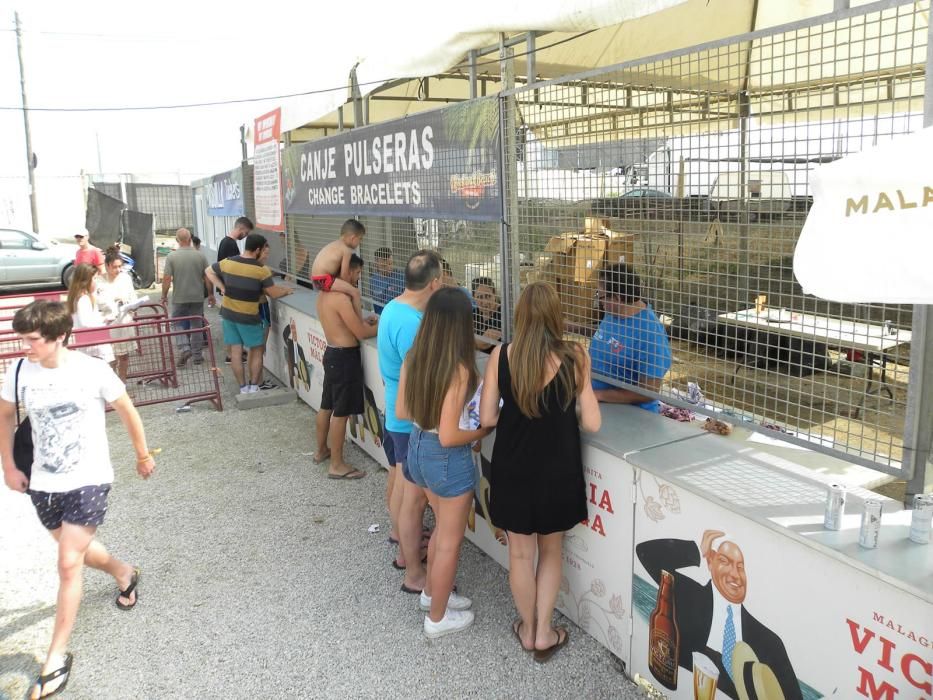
pixel 426 44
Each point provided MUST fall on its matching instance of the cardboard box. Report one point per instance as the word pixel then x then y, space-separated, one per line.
pixel 571 262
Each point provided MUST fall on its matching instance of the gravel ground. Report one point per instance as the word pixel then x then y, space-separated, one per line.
pixel 261 580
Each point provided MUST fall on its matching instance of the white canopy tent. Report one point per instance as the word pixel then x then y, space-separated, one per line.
pixel 554 39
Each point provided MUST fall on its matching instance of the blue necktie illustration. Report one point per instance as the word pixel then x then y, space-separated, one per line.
pixel 728 642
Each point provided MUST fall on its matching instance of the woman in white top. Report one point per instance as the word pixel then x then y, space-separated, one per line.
pixel 115 290
pixel 82 305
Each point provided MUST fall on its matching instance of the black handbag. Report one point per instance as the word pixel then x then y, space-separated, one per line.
pixel 22 438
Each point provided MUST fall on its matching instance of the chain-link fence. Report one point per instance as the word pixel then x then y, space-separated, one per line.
pixel 663 199
pixel 693 170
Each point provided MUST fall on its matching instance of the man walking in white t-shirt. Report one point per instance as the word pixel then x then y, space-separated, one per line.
pixel 63 394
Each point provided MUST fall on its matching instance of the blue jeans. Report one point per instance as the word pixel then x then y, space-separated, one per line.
pixel 189 342
pixel 447 471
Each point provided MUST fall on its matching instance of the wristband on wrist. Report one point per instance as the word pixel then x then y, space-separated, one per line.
pixel 149 455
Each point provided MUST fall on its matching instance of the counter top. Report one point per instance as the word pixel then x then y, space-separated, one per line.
pixel 790 499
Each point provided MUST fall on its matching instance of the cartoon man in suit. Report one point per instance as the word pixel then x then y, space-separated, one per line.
pixel 712 619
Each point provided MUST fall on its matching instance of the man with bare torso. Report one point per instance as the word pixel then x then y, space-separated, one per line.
pixel 342 395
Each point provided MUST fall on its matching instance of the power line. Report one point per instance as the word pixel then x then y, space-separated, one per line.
pixel 246 100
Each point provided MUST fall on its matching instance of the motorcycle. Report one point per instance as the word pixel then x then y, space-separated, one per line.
pixel 129 267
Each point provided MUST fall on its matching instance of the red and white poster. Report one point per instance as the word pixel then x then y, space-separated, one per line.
pixel 267 171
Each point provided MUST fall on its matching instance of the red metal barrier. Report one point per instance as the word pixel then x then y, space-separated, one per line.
pixel 17 301
pixel 154 374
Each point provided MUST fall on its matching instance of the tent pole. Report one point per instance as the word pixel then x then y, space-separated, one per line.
pixel 508 231
pixel 918 421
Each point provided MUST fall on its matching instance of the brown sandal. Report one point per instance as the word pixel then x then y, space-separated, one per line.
pixel 516 630
pixel 543 655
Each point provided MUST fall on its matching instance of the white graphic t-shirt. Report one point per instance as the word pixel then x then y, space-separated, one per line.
pixel 66 408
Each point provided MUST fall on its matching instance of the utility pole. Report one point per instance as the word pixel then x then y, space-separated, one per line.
pixel 30 156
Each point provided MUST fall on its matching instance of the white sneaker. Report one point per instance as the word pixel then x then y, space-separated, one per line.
pixel 252 388
pixel 244 389
pixel 453 621
pixel 454 602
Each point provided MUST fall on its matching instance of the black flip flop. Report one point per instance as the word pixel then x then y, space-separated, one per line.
pixel 413 591
pixel 516 630
pixel 129 590
pixel 65 670
pixel 398 566
pixel 425 535
pixel 542 655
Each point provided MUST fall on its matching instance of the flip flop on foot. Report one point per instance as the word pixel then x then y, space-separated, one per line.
pixel 402 567
pixel 317 459
pixel 517 631
pixel 49 678
pixel 128 592
pixel 351 475
pixel 563 636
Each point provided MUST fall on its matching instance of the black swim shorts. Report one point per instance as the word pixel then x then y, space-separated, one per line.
pixel 343 382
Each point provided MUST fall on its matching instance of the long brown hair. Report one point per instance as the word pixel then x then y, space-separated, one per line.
pixel 82 282
pixel 443 345
pixel 539 335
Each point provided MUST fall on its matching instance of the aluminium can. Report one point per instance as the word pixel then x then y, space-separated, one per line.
pixel 871 524
pixel 835 507
pixel 921 519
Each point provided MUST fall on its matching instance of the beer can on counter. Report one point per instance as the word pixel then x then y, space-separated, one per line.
pixel 835 507
pixel 921 519
pixel 871 524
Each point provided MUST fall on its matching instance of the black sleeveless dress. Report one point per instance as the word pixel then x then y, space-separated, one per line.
pixel 536 481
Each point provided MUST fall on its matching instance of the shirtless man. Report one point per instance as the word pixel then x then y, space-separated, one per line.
pixel 342 395
pixel 331 267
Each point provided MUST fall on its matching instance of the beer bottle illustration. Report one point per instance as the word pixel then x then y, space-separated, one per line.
pixel 663 635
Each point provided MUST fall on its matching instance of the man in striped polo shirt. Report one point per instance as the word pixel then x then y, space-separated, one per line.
pixel 243 280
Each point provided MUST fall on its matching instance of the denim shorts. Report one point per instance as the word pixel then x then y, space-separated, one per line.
pixel 399 449
pixel 447 471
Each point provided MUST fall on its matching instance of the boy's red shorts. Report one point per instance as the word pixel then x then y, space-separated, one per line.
pixel 322 283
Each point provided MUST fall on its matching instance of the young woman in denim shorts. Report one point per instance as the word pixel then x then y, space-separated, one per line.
pixel 437 380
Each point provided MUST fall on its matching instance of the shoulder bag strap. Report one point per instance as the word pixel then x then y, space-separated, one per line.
pixel 16 389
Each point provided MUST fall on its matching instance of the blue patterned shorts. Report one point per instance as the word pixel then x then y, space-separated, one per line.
pixel 84 506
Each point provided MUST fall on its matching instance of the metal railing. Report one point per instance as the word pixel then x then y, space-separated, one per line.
pixel 157 371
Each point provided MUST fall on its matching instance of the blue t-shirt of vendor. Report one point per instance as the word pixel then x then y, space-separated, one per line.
pixel 398 327
pixel 385 288
pixel 629 348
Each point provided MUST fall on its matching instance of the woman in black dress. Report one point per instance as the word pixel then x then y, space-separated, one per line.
pixel 537 490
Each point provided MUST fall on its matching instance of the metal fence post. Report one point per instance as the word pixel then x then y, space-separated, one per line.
pixel 918 422
pixel 508 231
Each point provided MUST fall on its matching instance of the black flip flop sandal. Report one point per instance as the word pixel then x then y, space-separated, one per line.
pixel 544 655
pixel 398 566
pixel 65 670
pixel 517 631
pixel 129 590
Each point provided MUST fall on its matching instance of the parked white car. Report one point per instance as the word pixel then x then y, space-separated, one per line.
pixel 29 260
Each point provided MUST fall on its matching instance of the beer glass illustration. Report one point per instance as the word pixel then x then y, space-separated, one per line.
pixel 705 677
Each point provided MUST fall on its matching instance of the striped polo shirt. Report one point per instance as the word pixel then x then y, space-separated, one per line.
pixel 244 279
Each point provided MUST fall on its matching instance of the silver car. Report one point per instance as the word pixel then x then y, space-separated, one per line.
pixel 28 260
